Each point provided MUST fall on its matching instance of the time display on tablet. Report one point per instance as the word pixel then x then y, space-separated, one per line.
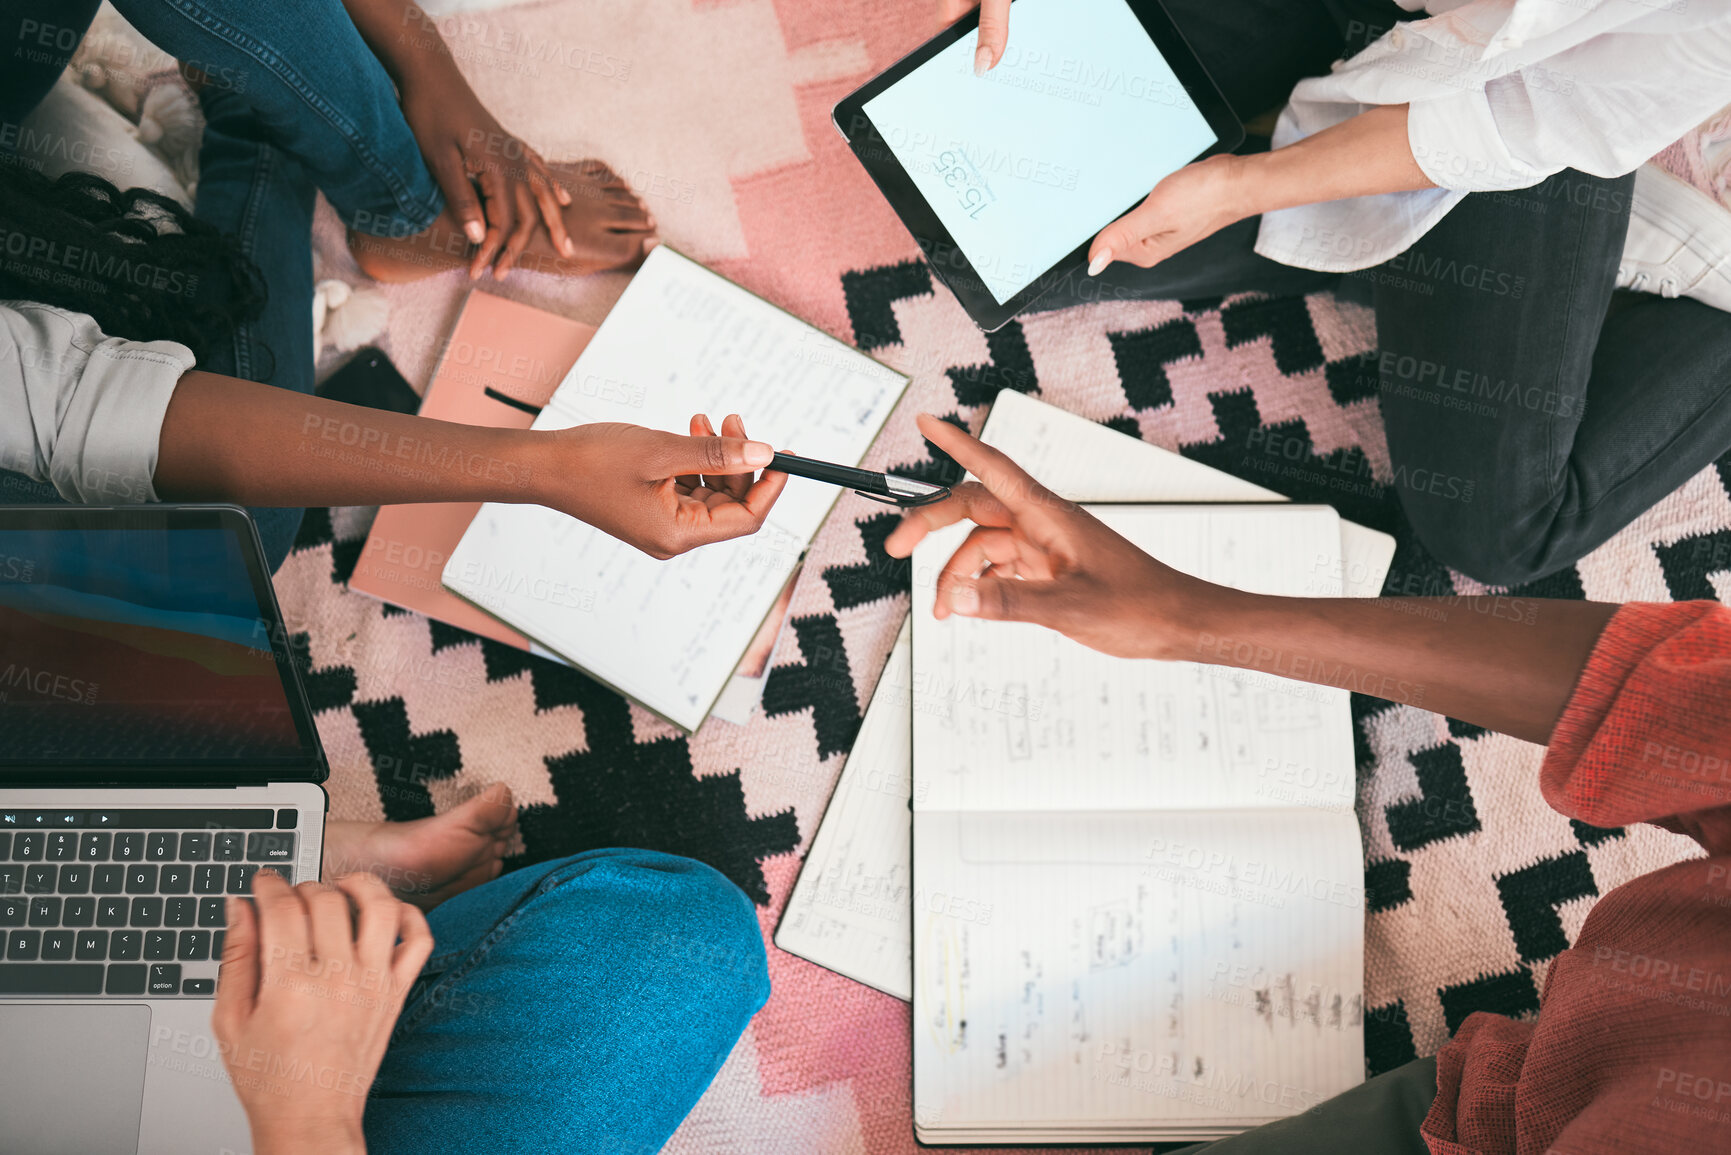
pixel 1080 119
pixel 973 194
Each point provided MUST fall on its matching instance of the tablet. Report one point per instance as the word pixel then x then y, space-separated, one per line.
pixel 1004 179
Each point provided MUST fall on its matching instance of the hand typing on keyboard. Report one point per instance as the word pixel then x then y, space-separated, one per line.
pixel 313 978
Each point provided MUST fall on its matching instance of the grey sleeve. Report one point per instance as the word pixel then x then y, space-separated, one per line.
pixel 81 409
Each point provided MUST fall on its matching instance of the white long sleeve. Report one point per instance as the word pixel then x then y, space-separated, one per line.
pixel 81 409
pixel 1502 94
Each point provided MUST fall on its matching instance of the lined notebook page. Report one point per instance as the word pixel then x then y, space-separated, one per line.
pixel 680 340
pixel 1031 720
pixel 1085 461
pixel 1137 885
pixel 849 909
pixel 1091 970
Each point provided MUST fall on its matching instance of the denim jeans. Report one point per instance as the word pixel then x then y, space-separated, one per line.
pixel 576 1006
pixel 1529 415
pixel 294 102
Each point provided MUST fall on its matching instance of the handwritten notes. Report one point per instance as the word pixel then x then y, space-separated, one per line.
pixel 1137 886
pixel 681 340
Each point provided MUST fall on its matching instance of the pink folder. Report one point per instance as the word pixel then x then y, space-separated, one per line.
pixel 502 363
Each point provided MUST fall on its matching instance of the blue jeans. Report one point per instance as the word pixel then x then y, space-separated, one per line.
pixel 294 101
pixel 580 1005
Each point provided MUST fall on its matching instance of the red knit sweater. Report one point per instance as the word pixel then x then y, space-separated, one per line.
pixel 1631 1050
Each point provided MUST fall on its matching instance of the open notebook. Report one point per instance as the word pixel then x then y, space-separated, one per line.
pixel 680 340
pixel 850 909
pixel 1137 886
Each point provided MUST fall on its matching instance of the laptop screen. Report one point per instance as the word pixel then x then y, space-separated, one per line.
pixel 145 639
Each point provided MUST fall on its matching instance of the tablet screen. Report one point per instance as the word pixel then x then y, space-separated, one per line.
pixel 1077 122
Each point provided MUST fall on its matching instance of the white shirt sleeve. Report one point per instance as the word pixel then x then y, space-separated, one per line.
pixel 81 409
pixel 1502 94
pixel 1602 106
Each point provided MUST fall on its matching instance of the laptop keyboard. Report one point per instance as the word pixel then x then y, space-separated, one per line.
pixel 127 902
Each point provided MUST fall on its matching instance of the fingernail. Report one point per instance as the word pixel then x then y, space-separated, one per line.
pixel 1099 263
pixel 965 600
pixel 982 60
pixel 758 453
pixel 229 908
pixel 475 231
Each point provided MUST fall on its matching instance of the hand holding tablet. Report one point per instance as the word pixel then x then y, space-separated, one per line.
pixel 1004 179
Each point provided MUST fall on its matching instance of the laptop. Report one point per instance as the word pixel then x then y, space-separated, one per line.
pixel 156 749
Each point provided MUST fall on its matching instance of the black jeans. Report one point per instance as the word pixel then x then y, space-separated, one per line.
pixel 1528 419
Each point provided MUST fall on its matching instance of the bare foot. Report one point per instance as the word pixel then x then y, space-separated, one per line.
pixel 608 226
pixel 430 859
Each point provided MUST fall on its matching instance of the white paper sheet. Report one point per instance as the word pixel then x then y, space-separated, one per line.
pixel 849 909
pixel 680 340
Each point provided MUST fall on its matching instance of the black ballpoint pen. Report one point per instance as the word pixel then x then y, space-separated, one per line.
pixel 885 487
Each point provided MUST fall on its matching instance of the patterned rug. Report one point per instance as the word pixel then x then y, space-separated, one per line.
pixel 1473 883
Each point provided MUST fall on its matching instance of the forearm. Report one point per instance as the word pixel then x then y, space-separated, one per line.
pixel 224 439
pixel 1508 664
pixel 1364 156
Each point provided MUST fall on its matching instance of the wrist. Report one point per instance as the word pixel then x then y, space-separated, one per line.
pixel 303 1136
pixel 1246 184
pixel 529 466
pixel 1190 621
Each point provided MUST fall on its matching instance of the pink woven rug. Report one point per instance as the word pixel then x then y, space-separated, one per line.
pixel 718 111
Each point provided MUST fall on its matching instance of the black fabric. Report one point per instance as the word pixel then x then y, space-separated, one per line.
pixel 1378 1117
pixel 40 37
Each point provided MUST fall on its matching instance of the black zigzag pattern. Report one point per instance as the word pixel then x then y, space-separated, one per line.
pixel 618 792
pixel 1595 835
pixel 403 763
pixel 1285 321
pixel 871 295
pixel 1011 367
pixel 1444 807
pixel 1460 730
pixel 1142 356
pixel 1689 562
pixel 879 576
pixel 1531 896
pixel 1387 884
pixel 315 530
pixel 327 687
pixel 615 793
pixel 1283 458
pixel 1352 378
pixel 822 684
pixel 1387 1038
pixel 1511 993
